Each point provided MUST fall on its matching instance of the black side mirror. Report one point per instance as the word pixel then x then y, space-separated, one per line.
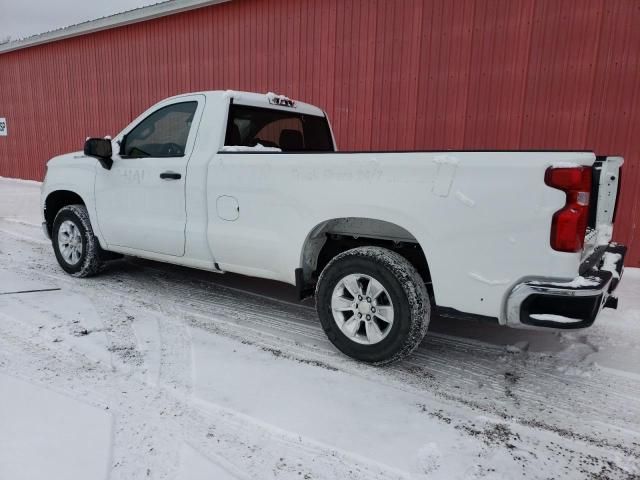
pixel 99 148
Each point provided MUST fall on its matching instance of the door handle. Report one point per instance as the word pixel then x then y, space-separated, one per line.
pixel 170 176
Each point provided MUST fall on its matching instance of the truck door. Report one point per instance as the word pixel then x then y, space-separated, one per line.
pixel 140 202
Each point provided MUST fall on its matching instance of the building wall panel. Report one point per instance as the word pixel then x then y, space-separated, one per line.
pixel 392 74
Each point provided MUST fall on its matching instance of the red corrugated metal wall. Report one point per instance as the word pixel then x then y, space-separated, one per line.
pixel 403 74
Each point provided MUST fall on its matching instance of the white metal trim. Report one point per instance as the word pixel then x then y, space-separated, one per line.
pixel 141 14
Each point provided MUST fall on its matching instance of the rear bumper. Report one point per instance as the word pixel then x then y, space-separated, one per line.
pixel 574 304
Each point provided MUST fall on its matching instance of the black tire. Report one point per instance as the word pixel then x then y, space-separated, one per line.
pixel 405 289
pixel 90 261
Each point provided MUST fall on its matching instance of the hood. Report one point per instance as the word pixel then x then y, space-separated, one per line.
pixel 67 159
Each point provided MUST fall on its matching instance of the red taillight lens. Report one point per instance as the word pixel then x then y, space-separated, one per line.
pixel 567 179
pixel 569 224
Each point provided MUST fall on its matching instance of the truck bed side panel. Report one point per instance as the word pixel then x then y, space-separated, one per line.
pixel 482 218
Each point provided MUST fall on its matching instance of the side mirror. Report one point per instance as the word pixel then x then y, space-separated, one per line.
pixel 99 148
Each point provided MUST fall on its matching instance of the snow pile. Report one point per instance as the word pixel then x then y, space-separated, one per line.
pixel 276 99
pixel 581 281
pixel 565 165
pixel 610 260
pixel 605 233
pixel 20 201
pixel 243 148
pixel 230 94
pixel 19 181
pixel 554 318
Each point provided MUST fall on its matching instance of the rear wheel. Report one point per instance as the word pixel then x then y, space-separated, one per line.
pixel 76 247
pixel 373 304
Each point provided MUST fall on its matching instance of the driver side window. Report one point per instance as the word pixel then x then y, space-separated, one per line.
pixel 164 133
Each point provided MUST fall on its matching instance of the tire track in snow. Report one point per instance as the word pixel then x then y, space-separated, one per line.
pixel 477 368
pixel 176 360
pixel 135 435
pixel 244 447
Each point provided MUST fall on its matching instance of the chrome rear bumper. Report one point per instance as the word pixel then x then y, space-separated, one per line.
pixel 575 304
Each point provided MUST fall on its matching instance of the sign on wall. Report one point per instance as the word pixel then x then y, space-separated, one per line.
pixel 3 127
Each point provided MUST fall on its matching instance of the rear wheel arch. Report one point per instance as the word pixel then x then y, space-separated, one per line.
pixel 334 236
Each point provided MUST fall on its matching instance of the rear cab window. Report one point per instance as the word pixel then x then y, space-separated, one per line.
pixel 250 126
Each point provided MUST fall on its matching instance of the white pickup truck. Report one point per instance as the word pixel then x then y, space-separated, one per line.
pixel 253 184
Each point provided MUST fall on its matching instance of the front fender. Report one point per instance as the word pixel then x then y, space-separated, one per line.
pixel 74 173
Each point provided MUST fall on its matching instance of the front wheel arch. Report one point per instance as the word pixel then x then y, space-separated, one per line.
pixel 57 200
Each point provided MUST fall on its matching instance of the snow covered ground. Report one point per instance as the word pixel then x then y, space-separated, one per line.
pixel 156 371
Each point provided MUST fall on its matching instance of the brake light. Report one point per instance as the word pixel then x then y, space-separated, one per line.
pixel 569 224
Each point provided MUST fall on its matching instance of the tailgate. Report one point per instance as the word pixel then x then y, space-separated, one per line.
pixel 604 194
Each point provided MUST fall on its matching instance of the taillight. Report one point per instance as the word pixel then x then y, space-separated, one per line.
pixel 569 224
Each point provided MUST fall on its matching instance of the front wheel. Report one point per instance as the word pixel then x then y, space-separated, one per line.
pixel 76 247
pixel 373 304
